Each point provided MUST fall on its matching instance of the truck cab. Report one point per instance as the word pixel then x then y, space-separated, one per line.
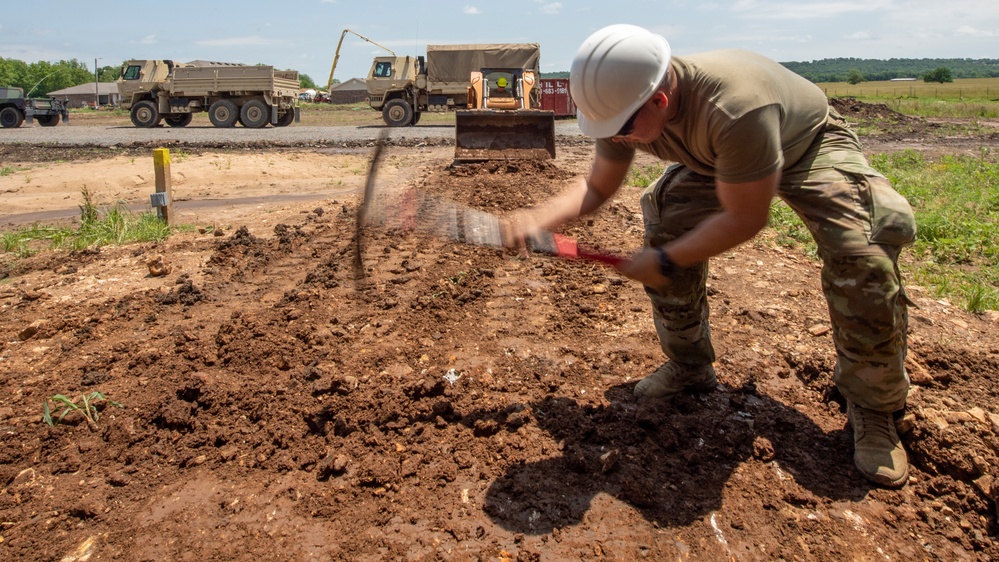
pixel 391 78
pixel 140 77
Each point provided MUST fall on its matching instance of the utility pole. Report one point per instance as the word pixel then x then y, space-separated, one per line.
pixel 97 86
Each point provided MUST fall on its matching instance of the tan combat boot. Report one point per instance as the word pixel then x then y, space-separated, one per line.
pixel 672 378
pixel 877 450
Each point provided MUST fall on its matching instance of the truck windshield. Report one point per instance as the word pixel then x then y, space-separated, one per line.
pixel 132 72
pixel 383 70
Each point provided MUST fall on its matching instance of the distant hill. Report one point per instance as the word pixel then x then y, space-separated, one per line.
pixel 838 70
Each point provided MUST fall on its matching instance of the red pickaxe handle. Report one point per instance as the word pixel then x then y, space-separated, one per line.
pixel 565 247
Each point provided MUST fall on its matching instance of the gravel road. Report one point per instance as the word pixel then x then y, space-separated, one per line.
pixel 277 136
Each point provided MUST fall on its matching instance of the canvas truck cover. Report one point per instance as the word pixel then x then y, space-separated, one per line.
pixel 453 63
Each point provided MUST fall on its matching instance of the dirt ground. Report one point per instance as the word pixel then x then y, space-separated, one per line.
pixel 458 402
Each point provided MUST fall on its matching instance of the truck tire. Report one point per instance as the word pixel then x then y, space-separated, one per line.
pixel 416 118
pixel 287 119
pixel 254 114
pixel 179 120
pixel 48 120
pixel 223 114
pixel 11 118
pixel 397 113
pixel 145 115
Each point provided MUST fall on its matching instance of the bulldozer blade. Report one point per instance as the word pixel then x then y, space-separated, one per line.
pixel 489 134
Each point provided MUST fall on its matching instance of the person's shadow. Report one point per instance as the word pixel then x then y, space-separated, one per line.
pixel 669 459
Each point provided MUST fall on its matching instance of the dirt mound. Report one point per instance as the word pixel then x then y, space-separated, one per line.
pixel 461 403
pixel 858 110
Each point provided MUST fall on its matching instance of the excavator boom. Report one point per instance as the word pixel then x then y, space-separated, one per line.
pixel 336 56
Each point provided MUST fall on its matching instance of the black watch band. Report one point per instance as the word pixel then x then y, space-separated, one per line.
pixel 666 265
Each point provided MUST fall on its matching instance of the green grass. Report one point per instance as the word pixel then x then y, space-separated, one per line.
pixel 98 227
pixel 956 201
pixel 971 98
pixel 644 176
pixel 6 171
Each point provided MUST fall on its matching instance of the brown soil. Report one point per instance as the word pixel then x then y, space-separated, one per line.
pixel 458 402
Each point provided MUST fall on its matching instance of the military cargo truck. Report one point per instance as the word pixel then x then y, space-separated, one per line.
pixel 161 90
pixel 15 109
pixel 402 88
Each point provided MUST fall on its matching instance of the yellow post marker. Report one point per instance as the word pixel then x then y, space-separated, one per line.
pixel 162 200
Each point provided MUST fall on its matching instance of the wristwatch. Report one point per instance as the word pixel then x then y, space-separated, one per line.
pixel 666 265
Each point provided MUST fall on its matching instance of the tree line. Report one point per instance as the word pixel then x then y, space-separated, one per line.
pixel 39 78
pixel 852 69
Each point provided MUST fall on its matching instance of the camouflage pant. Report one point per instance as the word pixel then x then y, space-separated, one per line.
pixel 860 225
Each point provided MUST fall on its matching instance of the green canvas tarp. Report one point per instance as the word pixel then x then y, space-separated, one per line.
pixel 454 63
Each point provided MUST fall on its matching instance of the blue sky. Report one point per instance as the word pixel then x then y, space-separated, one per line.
pixel 303 34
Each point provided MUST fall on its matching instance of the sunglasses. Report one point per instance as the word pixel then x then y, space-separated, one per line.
pixel 629 125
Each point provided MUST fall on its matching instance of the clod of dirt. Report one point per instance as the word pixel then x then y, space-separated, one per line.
pixel 158 266
pixel 332 465
pixel 763 449
pixel 186 293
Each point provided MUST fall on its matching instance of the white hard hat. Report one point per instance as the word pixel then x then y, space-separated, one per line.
pixel 615 71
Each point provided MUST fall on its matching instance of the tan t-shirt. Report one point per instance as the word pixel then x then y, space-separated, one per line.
pixel 742 117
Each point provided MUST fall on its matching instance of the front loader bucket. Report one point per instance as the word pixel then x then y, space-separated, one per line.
pixel 492 134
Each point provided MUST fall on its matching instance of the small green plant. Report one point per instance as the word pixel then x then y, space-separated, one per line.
pixel 6 171
pixel 221 164
pixel 978 298
pixel 179 155
pixel 644 176
pixel 87 406
pixel 88 211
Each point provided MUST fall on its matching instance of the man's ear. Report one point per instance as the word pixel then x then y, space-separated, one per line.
pixel 660 100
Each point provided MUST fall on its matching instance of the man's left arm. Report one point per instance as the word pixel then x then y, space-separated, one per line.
pixel 745 211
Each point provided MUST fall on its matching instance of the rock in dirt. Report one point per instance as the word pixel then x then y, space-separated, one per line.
pixel 32 295
pixel 818 329
pixel 32 329
pixel 609 460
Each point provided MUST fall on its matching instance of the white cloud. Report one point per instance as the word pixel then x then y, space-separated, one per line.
pixel 973 32
pixel 552 9
pixel 236 41
pixel 471 10
pixel 858 36
pixel 31 53
pixel 148 40
pixel 755 9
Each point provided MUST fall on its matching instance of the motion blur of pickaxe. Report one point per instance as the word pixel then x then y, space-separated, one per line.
pixel 413 211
